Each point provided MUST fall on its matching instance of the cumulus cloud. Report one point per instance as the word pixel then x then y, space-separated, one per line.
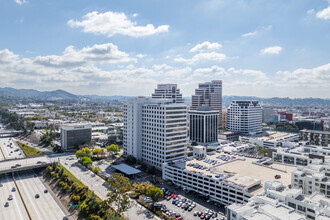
pixel 315 77
pixel 271 50
pixel 253 33
pixel 6 56
pixel 214 71
pixel 161 67
pixel 212 56
pixel 140 55
pixel 20 2
pixel 112 23
pixel 310 11
pixel 324 14
pixel 103 53
pixel 248 72
pixel 206 46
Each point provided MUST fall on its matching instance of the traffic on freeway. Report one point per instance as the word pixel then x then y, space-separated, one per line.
pixel 38 200
pixel 10 149
pixel 11 205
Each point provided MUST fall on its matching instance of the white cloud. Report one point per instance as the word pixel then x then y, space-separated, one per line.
pixel 324 14
pixel 248 72
pixel 161 67
pixel 315 77
pixel 271 50
pixel 310 11
pixel 206 46
pixel 135 15
pixel 249 34
pixel 112 23
pixel 140 55
pixel 6 56
pixel 212 56
pixel 20 2
pixel 103 53
pixel 214 71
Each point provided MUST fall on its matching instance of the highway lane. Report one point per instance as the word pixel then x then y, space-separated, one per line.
pixel 16 209
pixel 44 207
pixel 1 155
pixel 11 149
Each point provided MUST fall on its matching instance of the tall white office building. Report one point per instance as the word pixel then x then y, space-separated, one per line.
pixel 245 116
pixel 168 91
pixel 155 130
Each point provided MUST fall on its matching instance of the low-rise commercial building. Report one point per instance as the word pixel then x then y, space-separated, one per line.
pixel 73 135
pixel 314 137
pixel 312 178
pixel 280 202
pixel 271 139
pixel 224 180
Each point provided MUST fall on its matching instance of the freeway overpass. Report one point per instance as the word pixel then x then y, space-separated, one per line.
pixel 8 133
pixel 9 166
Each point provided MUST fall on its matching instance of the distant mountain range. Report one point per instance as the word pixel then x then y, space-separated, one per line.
pixel 63 95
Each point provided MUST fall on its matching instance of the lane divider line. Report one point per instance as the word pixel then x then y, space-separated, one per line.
pixel 20 194
pixel 3 153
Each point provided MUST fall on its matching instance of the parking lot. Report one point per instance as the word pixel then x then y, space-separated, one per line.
pixel 201 204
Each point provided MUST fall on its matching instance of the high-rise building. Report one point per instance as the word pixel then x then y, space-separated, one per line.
pixel 73 135
pixel 268 114
pixel 155 130
pixel 203 124
pixel 208 94
pixel 245 116
pixel 224 119
pixel 168 91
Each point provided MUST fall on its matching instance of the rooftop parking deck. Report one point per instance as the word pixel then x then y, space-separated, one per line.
pixel 241 170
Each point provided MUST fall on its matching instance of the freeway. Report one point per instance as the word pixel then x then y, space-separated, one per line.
pixel 1 155
pixel 10 149
pixel 44 207
pixel 16 209
pixel 26 163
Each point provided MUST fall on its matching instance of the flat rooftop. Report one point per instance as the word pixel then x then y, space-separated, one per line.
pixel 242 171
pixel 274 136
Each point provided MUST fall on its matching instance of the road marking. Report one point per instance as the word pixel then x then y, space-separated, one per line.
pixel 2 151
pixel 19 192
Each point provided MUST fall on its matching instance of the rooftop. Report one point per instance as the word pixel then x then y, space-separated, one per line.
pixel 274 136
pixel 241 171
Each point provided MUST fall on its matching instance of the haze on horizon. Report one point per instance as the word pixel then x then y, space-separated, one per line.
pixel 257 48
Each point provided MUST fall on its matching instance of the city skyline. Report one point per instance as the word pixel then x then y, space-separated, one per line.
pixel 257 48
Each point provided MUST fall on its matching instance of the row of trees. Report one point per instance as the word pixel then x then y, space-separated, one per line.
pixel 12 120
pixel 89 204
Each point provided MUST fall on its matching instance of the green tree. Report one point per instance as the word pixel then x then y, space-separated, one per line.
pixel 119 185
pixel 86 161
pixel 97 151
pixel 113 149
pixel 85 152
pixel 96 169
pixel 155 193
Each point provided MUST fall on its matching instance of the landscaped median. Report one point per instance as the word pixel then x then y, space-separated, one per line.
pixel 30 151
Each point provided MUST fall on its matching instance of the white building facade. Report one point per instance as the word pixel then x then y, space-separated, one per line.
pixel 155 130
pixel 245 116
pixel 168 91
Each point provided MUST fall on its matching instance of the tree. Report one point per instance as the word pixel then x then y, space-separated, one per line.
pixel 155 193
pixel 194 143
pixel 113 148
pixel 97 151
pixel 151 169
pixel 85 152
pixel 86 161
pixel 130 160
pixel 96 169
pixel 142 188
pixel 119 185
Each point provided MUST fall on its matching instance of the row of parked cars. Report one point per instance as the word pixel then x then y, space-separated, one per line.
pixel 185 204
pixel 207 214
pixel 198 166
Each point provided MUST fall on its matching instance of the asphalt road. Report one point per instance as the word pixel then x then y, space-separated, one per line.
pixel 44 207
pixel 6 165
pixel 16 209
pixel 12 151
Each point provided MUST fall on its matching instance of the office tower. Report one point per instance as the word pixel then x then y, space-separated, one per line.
pixel 245 116
pixel 73 135
pixel 268 114
pixel 209 94
pixel 155 130
pixel 203 124
pixel 224 116
pixel 168 91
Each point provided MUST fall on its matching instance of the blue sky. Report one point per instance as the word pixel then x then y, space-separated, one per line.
pixel 258 47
